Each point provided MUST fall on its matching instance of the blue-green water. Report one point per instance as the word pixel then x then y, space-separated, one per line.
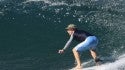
pixel 32 32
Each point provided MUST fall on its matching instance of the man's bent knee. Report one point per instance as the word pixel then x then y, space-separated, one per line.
pixel 74 50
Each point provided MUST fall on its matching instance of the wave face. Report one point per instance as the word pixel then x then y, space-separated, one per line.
pixel 32 31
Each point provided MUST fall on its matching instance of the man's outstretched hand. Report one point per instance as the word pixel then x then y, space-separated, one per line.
pixel 61 51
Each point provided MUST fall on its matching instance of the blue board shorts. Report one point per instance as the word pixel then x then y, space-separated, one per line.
pixel 89 43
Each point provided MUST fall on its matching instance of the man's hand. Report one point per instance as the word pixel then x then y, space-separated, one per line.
pixel 61 51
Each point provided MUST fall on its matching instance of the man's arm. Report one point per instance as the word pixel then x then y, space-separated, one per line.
pixel 68 42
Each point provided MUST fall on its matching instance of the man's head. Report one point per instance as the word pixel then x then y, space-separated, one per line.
pixel 71 28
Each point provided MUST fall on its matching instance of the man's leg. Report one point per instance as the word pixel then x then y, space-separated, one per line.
pixel 94 55
pixel 77 57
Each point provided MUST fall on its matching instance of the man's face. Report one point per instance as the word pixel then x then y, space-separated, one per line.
pixel 70 31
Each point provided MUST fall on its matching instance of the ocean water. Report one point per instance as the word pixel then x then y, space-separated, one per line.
pixel 32 32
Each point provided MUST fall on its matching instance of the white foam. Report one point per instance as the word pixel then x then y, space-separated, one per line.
pixel 51 3
pixel 119 64
pixel 46 1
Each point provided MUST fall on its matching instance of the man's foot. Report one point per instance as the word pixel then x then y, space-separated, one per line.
pixel 78 67
pixel 98 61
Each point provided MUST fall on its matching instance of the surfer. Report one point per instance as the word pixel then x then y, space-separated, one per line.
pixel 87 42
